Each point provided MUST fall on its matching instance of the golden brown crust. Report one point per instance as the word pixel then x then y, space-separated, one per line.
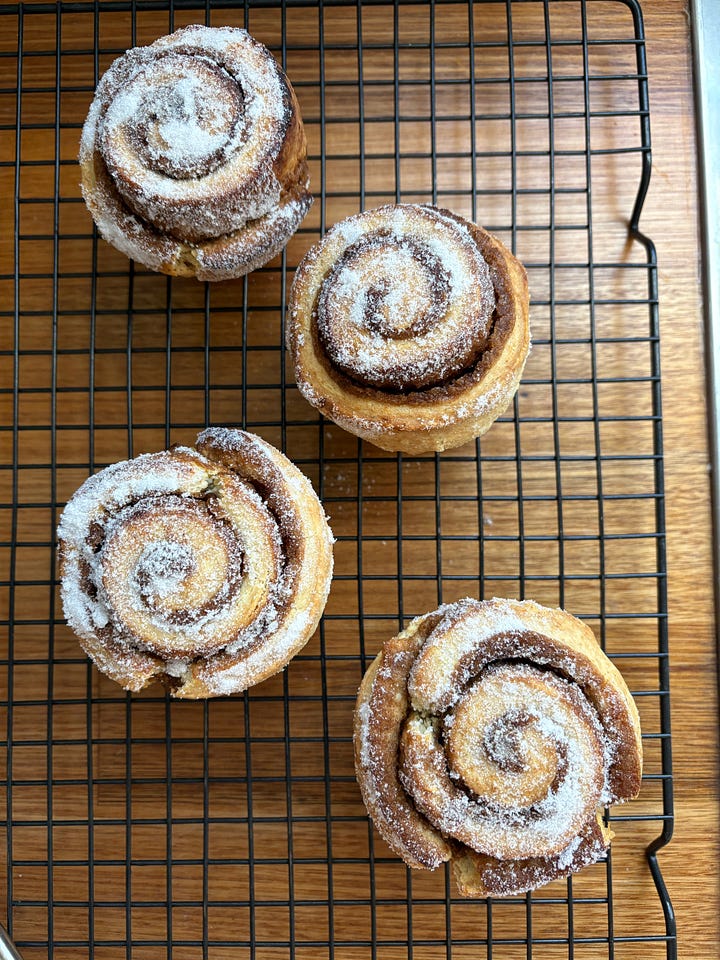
pixel 408 326
pixel 498 729
pixel 193 155
pixel 478 875
pixel 382 697
pixel 206 570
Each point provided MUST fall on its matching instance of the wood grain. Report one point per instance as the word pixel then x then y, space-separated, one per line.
pixel 167 773
pixel 672 199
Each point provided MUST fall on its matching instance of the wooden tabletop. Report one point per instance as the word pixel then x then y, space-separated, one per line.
pixel 670 218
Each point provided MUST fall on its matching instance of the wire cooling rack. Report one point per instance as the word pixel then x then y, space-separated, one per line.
pixel 140 827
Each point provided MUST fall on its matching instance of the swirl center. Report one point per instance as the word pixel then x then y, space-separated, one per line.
pixel 163 568
pixel 407 305
pixel 502 741
pixel 521 768
pixel 168 565
pixel 508 755
pixel 394 289
pixel 183 116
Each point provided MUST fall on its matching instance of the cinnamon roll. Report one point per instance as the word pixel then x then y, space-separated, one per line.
pixel 491 734
pixel 193 154
pixel 205 568
pixel 408 326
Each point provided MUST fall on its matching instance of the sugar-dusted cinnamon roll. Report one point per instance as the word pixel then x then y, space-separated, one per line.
pixel 492 734
pixel 408 326
pixel 205 568
pixel 193 154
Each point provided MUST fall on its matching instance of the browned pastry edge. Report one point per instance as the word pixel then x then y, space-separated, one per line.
pixel 408 833
pixel 477 875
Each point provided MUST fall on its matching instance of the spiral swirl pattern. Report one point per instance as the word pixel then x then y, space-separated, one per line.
pixel 408 326
pixel 193 154
pixel 492 734
pixel 205 568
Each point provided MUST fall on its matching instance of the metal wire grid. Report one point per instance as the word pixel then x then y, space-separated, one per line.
pixel 141 827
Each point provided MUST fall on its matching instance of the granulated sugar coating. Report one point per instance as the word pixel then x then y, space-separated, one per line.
pixel 207 569
pixel 493 733
pixel 409 305
pixel 192 147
